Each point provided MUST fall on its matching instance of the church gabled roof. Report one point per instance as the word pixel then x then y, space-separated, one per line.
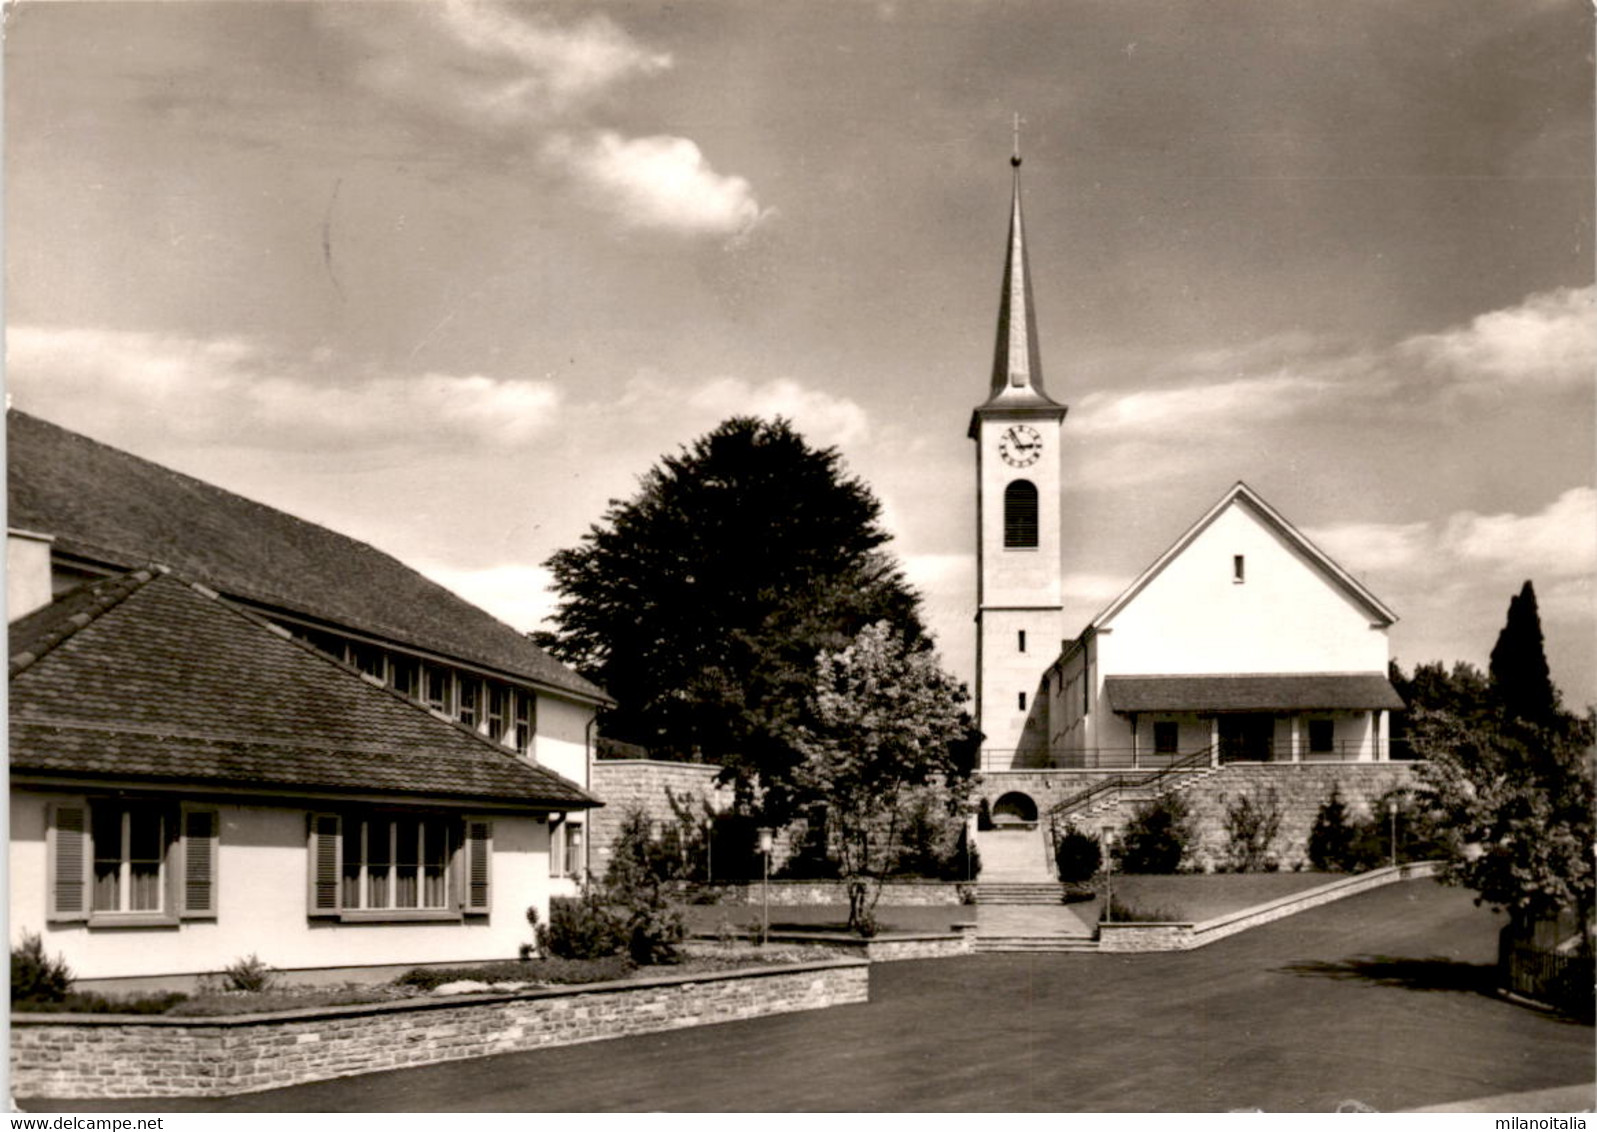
pixel 1245 495
pixel 1017 381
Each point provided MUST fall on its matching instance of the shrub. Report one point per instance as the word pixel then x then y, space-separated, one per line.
pixel 1078 856
pixel 1252 822
pixel 249 974
pixel 1331 839
pixel 1341 843
pixel 35 977
pixel 529 951
pixel 581 927
pixel 1156 837
pixel 1125 913
pixel 564 971
pixel 92 1002
pixel 654 929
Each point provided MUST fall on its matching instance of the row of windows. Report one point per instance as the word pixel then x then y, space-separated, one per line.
pixel 1322 736
pixel 505 714
pixel 137 863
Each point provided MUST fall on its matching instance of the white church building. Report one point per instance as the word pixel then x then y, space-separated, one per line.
pixel 1242 643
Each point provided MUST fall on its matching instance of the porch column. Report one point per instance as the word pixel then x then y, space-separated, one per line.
pixel 1384 753
pixel 1134 763
pixel 1297 738
pixel 1214 740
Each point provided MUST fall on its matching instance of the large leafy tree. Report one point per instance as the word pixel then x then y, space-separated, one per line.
pixel 1509 776
pixel 883 731
pixel 701 603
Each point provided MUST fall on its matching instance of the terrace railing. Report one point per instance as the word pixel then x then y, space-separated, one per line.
pixel 1140 759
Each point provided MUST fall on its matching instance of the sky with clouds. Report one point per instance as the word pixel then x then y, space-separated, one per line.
pixel 449 276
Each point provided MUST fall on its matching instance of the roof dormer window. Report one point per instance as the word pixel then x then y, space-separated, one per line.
pixel 1238 569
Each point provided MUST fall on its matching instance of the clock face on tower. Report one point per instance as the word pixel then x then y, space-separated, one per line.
pixel 1020 445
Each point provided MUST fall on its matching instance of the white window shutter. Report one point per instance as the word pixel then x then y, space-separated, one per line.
pixel 200 834
pixel 479 866
pixel 70 860
pixel 326 865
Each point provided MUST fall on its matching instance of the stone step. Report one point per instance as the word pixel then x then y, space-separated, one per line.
pixel 1040 943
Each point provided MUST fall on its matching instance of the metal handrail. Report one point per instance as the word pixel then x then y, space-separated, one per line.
pixel 1194 761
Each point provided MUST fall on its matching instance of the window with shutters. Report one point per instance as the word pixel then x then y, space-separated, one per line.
pixel 374 865
pixel 131 862
pixel 1020 515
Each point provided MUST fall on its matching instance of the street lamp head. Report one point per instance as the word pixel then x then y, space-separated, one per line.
pixel 767 839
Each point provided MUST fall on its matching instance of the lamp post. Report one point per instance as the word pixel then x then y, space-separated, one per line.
pixel 1393 804
pixel 767 840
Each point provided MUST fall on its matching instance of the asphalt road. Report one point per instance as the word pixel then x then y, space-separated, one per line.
pixel 1381 999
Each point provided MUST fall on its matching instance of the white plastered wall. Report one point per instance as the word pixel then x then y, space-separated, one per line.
pixel 1286 615
pixel 262 879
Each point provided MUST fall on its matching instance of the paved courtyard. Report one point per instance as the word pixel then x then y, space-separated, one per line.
pixel 1377 999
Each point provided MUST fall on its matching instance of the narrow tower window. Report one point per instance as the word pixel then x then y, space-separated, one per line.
pixel 1023 640
pixel 1020 514
pixel 1022 701
pixel 1237 572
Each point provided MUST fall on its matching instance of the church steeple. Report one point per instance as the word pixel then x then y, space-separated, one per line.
pixel 1017 359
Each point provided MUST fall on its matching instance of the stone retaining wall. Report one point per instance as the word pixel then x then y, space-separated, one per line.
pixel 623 784
pixel 83 1057
pixel 1299 789
pixel 1183 937
pixel 885 948
pixel 895 894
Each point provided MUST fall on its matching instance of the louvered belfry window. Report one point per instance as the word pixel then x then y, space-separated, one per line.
pixel 1020 514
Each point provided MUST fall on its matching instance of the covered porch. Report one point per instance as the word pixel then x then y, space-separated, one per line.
pixel 1321 717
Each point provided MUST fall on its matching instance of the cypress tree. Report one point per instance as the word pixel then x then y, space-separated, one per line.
pixel 1521 682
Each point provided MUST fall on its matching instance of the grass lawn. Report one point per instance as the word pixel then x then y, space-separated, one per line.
pixel 1202 897
pixel 709 918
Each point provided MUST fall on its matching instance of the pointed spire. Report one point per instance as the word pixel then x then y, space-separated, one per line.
pixel 1017 359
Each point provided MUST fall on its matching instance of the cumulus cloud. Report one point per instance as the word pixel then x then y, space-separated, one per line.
pixel 548 65
pixel 1557 542
pixel 522 77
pixel 522 597
pixel 1549 339
pixel 657 182
pixel 486 66
pixel 231 389
pixel 1229 405
pixel 687 409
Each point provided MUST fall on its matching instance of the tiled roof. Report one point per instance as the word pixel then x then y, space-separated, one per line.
pixel 108 505
pixel 1322 691
pixel 146 676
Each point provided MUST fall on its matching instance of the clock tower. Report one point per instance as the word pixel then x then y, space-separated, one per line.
pixel 1019 604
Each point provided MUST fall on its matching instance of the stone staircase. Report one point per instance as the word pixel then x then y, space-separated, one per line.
pixel 1113 799
pixel 1019 892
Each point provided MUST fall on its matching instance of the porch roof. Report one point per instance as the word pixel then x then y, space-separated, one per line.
pixel 1314 691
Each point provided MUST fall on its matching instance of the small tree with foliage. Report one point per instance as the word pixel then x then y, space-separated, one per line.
pixel 1156 838
pixel 635 881
pixel 1509 783
pixel 882 725
pixel 1252 821
pixel 1331 839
